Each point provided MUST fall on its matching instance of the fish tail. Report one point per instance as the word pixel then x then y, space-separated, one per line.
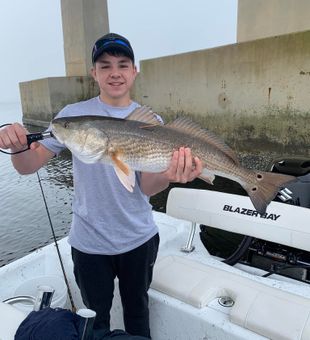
pixel 265 188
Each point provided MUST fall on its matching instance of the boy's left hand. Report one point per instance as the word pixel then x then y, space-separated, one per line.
pixel 183 167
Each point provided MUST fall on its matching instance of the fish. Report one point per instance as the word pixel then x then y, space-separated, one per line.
pixel 141 142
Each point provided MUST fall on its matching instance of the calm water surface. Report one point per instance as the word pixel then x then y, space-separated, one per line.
pixel 24 225
pixel 23 219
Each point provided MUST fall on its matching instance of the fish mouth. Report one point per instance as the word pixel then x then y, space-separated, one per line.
pixel 55 134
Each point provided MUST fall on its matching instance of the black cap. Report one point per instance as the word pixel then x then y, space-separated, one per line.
pixel 112 42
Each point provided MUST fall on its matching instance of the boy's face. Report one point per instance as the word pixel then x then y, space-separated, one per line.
pixel 115 77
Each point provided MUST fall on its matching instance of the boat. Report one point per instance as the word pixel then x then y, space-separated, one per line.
pixel 194 295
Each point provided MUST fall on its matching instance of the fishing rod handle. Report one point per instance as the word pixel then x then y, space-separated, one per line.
pixel 34 137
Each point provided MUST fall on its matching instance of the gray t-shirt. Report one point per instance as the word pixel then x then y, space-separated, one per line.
pixel 107 219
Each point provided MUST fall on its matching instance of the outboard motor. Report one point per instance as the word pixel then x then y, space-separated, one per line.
pixel 300 190
pixel 269 256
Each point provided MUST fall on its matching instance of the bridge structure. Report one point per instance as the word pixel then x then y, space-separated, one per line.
pixel 254 93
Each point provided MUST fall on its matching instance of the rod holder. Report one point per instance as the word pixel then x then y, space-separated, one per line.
pixel 44 298
pixel 188 248
pixel 89 316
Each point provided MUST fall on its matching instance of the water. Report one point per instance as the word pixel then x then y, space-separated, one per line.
pixel 24 223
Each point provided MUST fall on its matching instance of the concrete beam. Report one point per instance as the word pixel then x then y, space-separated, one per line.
pixel 42 99
pixel 253 94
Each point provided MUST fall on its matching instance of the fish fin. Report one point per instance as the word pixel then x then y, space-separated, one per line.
pixel 124 173
pixel 144 114
pixel 186 125
pixel 207 176
pixel 266 188
pixel 128 181
pixel 118 163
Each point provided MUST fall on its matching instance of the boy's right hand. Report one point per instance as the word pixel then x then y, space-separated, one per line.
pixel 14 137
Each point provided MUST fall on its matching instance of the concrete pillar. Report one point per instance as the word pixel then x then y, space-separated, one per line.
pixel 83 22
pixel 267 18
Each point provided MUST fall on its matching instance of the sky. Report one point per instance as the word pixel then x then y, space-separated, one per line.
pixel 32 41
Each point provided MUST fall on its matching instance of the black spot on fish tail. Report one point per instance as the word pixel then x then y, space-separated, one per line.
pixel 265 188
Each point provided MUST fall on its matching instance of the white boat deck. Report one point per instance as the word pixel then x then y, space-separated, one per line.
pixel 184 298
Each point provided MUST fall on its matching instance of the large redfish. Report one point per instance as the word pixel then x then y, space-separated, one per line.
pixel 141 143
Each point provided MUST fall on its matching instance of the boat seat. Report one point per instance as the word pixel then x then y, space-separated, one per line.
pixel 265 310
pixel 282 223
pixel 10 319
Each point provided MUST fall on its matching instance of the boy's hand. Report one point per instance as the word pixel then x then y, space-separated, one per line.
pixel 183 167
pixel 14 137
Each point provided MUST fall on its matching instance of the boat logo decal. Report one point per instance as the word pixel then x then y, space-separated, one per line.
pixel 250 212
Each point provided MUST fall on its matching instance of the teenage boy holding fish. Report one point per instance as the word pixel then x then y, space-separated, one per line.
pixel 113 233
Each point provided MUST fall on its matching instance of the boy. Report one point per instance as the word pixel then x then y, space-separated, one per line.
pixel 113 233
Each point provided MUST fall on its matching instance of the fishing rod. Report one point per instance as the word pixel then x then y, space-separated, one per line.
pixel 73 308
pixel 31 137
pixel 34 137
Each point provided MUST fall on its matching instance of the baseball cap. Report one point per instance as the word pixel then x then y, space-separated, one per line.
pixel 112 42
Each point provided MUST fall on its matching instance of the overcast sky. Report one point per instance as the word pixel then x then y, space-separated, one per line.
pixel 32 42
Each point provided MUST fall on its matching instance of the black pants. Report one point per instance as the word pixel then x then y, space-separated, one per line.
pixel 95 276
